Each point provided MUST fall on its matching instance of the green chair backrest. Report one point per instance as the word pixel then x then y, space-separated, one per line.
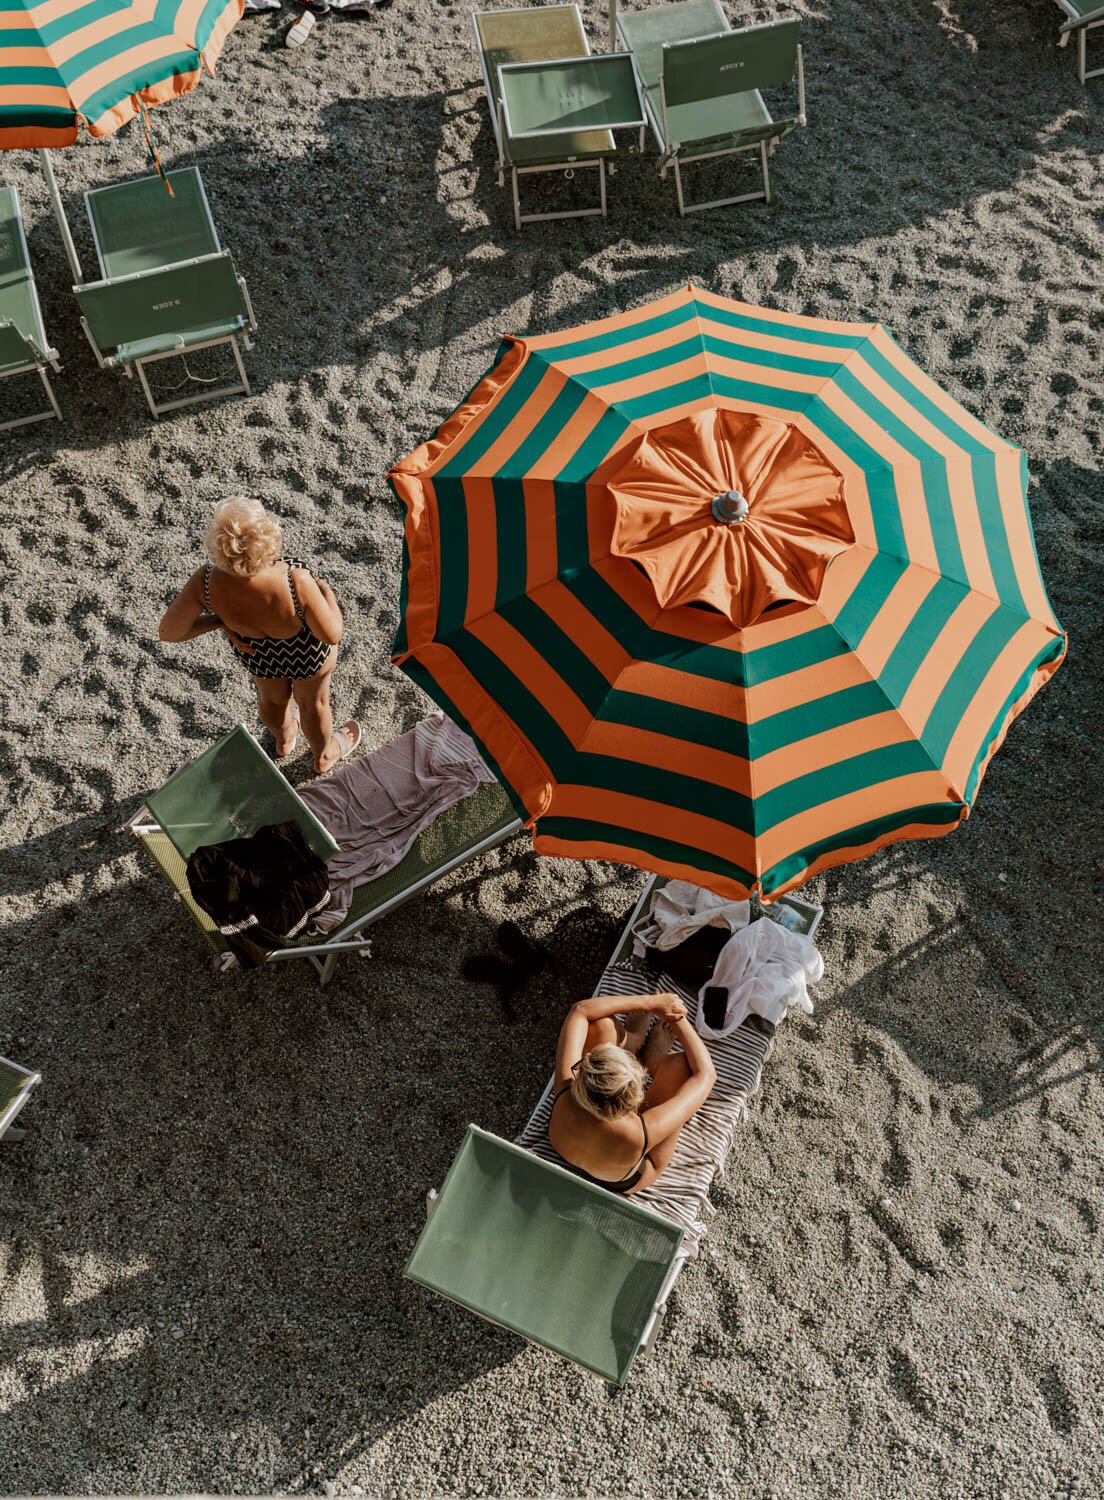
pixel 160 303
pixel 734 62
pixel 139 227
pixel 513 36
pixel 18 303
pixel 1087 11
pixel 538 1250
pixel 535 34
pixel 229 792
pixel 15 350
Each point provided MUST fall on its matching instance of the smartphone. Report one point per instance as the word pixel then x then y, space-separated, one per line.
pixel 714 1006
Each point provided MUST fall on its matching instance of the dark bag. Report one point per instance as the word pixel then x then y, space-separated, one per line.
pixel 692 962
pixel 260 891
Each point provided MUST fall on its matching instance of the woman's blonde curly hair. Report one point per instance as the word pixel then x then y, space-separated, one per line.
pixel 609 1082
pixel 242 537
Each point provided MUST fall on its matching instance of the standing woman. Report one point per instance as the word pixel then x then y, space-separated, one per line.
pixel 282 623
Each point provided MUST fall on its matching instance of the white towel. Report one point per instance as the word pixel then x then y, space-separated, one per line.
pixel 765 968
pixel 679 909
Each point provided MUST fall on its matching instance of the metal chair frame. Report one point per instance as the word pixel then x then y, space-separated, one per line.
pixel 243 388
pixel 8 1131
pixel 1082 25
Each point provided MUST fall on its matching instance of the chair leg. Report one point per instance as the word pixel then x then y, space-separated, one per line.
pixel 766 177
pixel 602 183
pixel 653 1333
pixel 50 392
pixel 678 190
pixel 145 386
pixel 328 966
pixel 241 367
pixel 517 198
pixel 13 1135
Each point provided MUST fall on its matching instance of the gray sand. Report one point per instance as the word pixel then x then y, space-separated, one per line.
pixel 203 1234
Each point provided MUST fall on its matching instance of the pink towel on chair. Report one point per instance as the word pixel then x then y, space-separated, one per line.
pixel 376 806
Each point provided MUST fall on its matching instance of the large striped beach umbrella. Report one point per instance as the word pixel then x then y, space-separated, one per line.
pixel 723 592
pixel 98 62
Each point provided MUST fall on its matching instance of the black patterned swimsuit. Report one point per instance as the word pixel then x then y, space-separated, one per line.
pixel 303 655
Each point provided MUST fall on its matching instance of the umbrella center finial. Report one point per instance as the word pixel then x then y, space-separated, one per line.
pixel 729 507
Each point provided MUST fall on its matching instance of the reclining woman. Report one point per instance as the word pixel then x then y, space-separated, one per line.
pixel 282 623
pixel 607 1123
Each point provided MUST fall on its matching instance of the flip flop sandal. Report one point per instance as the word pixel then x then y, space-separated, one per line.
pixel 347 743
pixel 348 736
pixel 298 32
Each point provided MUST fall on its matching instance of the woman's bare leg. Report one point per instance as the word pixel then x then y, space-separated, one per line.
pixel 670 1076
pixel 313 697
pixel 274 708
pixel 605 1030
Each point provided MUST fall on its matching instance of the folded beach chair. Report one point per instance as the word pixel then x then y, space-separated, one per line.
pixel 702 84
pixel 233 789
pixel 167 288
pixel 514 1236
pixel 1084 16
pixel 553 106
pixel 23 346
pixel 16 1084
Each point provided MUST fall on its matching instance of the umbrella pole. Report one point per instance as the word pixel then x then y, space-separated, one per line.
pixel 59 214
pixel 613 25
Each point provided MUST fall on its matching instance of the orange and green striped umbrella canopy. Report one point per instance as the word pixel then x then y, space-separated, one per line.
pixel 93 60
pixel 723 592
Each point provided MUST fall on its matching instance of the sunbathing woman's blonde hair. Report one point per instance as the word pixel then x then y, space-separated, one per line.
pixel 242 537
pixel 609 1082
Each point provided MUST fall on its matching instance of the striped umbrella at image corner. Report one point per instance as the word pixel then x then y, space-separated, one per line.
pixel 63 61
pixel 723 592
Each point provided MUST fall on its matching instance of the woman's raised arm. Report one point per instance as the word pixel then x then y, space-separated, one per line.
pixel 663 1119
pixel 573 1032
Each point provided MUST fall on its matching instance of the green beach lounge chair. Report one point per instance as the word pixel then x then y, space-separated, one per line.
pixel 1084 16
pixel 566 1264
pixel 23 346
pixel 584 1272
pixel 233 789
pixel 554 107
pixel 16 1084
pixel 167 286
pixel 703 80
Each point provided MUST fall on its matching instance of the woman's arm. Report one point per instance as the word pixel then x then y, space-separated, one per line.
pixel 319 606
pixel 187 616
pixel 573 1032
pixel 598 1006
pixel 663 1119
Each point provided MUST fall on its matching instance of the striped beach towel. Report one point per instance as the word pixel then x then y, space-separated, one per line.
pixel 681 1193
